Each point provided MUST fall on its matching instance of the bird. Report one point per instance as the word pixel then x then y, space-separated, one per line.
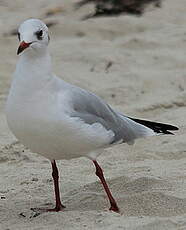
pixel 59 120
pixel 117 7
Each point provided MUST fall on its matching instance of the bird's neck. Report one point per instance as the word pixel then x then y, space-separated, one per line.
pixel 38 63
pixel 33 71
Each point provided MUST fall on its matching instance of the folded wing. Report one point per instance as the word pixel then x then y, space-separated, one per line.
pixel 92 109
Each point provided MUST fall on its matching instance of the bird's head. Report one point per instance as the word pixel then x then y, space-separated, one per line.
pixel 33 35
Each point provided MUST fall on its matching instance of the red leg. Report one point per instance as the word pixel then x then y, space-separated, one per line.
pixel 99 173
pixel 55 175
pixel 59 206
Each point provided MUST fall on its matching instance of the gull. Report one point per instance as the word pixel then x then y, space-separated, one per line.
pixel 59 120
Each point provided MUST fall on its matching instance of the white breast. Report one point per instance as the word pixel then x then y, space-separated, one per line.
pixel 43 124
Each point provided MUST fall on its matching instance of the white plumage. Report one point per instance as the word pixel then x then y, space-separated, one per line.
pixel 54 118
pixel 59 120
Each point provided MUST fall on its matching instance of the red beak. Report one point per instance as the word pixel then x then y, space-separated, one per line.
pixel 23 45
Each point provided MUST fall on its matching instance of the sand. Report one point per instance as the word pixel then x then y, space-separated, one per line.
pixel 138 65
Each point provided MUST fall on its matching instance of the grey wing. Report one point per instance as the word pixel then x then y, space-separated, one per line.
pixel 92 109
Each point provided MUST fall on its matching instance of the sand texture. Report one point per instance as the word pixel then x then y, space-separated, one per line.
pixel 136 64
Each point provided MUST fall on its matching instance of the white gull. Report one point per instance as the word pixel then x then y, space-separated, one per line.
pixel 62 121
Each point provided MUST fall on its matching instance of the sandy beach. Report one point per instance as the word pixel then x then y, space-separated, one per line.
pixel 137 65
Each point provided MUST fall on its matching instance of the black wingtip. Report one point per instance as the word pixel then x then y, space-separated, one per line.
pixel 157 127
pixel 173 127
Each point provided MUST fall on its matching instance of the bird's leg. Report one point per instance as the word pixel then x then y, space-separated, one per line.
pixel 59 206
pixel 55 175
pixel 99 173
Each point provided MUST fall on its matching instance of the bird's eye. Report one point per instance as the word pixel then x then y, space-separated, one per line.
pixel 18 34
pixel 39 34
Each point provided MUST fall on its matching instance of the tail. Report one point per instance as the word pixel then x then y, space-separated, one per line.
pixel 158 128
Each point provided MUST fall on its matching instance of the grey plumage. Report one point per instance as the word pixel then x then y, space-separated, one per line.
pixel 92 109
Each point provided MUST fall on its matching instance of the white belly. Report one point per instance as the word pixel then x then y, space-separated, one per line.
pixel 55 135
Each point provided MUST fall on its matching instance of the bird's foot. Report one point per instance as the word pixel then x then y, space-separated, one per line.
pixel 114 208
pixel 58 208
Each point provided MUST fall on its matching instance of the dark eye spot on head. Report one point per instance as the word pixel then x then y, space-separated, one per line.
pixel 39 34
pixel 18 34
